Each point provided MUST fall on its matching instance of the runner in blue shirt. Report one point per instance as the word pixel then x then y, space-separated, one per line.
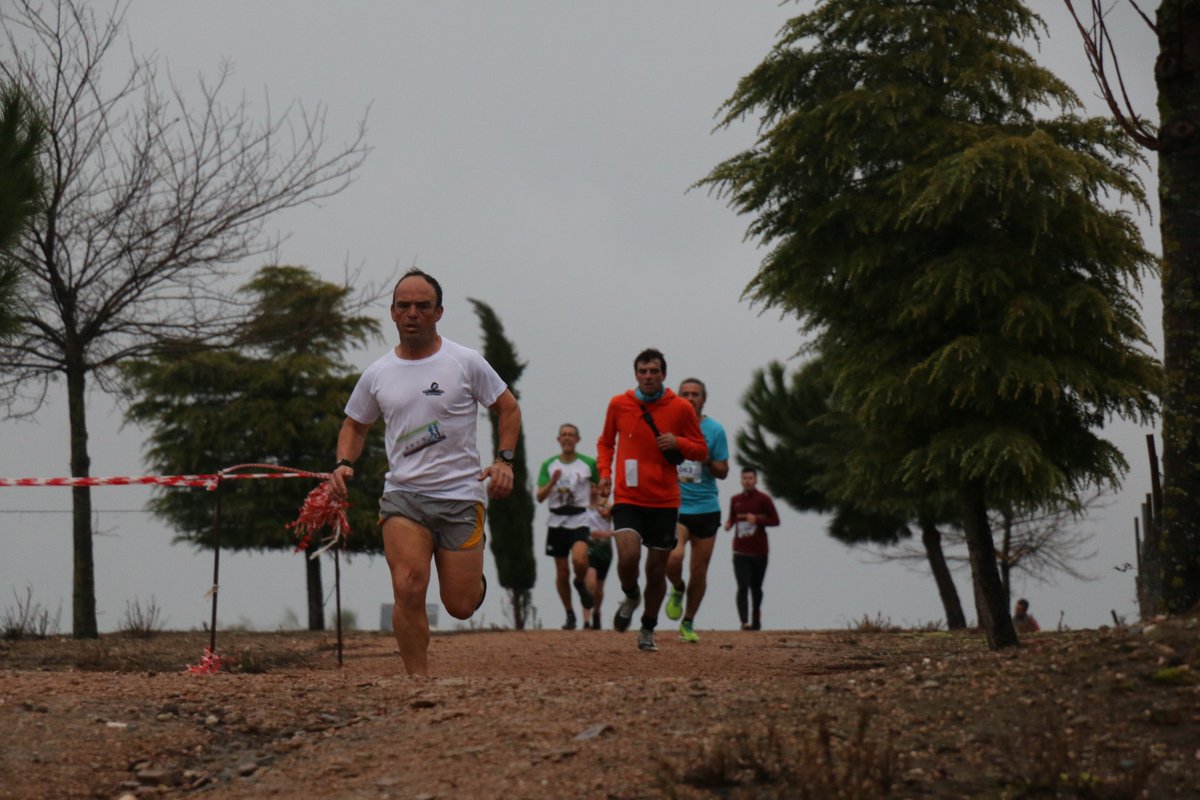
pixel 699 515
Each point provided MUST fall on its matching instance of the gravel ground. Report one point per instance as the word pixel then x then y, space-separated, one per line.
pixel 1110 713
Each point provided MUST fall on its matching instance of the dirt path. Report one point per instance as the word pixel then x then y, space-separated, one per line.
pixel 551 714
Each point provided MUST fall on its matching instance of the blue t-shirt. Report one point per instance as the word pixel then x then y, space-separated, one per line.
pixel 697 486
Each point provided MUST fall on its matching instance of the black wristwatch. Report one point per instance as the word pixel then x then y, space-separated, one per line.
pixel 506 456
pixel 345 462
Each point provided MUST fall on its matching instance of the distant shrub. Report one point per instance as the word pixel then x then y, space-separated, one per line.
pixel 349 620
pixel 29 620
pixel 877 624
pixel 290 621
pixel 142 622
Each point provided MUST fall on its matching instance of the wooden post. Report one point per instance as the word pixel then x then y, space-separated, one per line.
pixel 1156 495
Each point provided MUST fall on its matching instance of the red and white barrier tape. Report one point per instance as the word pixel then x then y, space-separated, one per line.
pixel 208 481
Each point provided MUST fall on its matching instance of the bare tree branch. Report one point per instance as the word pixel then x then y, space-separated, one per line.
pixel 1043 543
pixel 1096 42
pixel 151 202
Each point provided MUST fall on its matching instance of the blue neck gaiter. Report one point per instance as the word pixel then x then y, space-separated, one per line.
pixel 649 398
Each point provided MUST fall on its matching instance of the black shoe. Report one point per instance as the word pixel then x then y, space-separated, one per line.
pixel 569 625
pixel 585 597
pixel 624 614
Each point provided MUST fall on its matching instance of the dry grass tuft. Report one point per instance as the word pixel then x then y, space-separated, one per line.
pixel 29 620
pixel 829 766
pixel 142 622
pixel 1045 759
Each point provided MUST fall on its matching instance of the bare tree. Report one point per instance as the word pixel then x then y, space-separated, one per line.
pixel 150 203
pixel 1176 141
pixel 1041 544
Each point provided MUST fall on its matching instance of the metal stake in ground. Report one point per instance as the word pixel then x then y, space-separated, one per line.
pixel 212 633
pixel 337 595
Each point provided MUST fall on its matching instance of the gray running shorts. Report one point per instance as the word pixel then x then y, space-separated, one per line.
pixel 455 524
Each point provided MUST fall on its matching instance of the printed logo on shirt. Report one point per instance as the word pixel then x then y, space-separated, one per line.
pixel 433 390
pixel 421 438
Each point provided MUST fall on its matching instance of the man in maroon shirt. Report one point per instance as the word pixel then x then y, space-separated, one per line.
pixel 752 512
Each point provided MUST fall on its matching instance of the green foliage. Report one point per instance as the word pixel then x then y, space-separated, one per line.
pixel 798 443
pixel 510 519
pixel 275 397
pixel 21 136
pixel 947 247
pixel 932 210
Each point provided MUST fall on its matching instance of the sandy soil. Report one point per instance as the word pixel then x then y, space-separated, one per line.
pixel 552 714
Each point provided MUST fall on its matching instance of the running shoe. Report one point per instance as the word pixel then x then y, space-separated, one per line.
pixel 646 641
pixel 569 625
pixel 585 597
pixel 687 633
pixel 675 603
pixel 624 614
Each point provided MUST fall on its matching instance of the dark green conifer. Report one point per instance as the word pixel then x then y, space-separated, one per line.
pixel 510 519
pixel 277 397
pixel 934 212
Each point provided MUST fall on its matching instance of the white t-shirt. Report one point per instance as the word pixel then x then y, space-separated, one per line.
pixel 430 408
pixel 573 488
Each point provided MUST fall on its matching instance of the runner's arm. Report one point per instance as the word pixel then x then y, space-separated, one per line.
pixel 508 426
pixel 351 440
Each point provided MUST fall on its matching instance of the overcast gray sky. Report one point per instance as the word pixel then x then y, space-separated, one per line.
pixel 534 154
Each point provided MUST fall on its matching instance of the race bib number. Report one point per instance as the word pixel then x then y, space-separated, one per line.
pixel 690 472
pixel 745 528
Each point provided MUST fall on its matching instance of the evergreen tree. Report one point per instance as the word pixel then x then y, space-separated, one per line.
pixel 511 518
pixel 948 249
pixel 798 444
pixel 20 137
pixel 274 397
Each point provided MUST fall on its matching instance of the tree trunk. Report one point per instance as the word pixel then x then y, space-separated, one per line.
pixel 83 597
pixel 1177 74
pixel 931 537
pixel 989 592
pixel 316 593
pixel 1006 557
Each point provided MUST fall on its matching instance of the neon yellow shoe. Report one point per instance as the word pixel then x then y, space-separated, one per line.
pixel 675 603
pixel 687 633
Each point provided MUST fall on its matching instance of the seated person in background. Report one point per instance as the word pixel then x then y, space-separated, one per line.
pixel 1023 621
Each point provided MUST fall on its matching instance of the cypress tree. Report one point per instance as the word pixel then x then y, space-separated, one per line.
pixel 20 137
pixel 510 518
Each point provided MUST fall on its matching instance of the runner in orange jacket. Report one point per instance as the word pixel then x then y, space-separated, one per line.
pixel 647 432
